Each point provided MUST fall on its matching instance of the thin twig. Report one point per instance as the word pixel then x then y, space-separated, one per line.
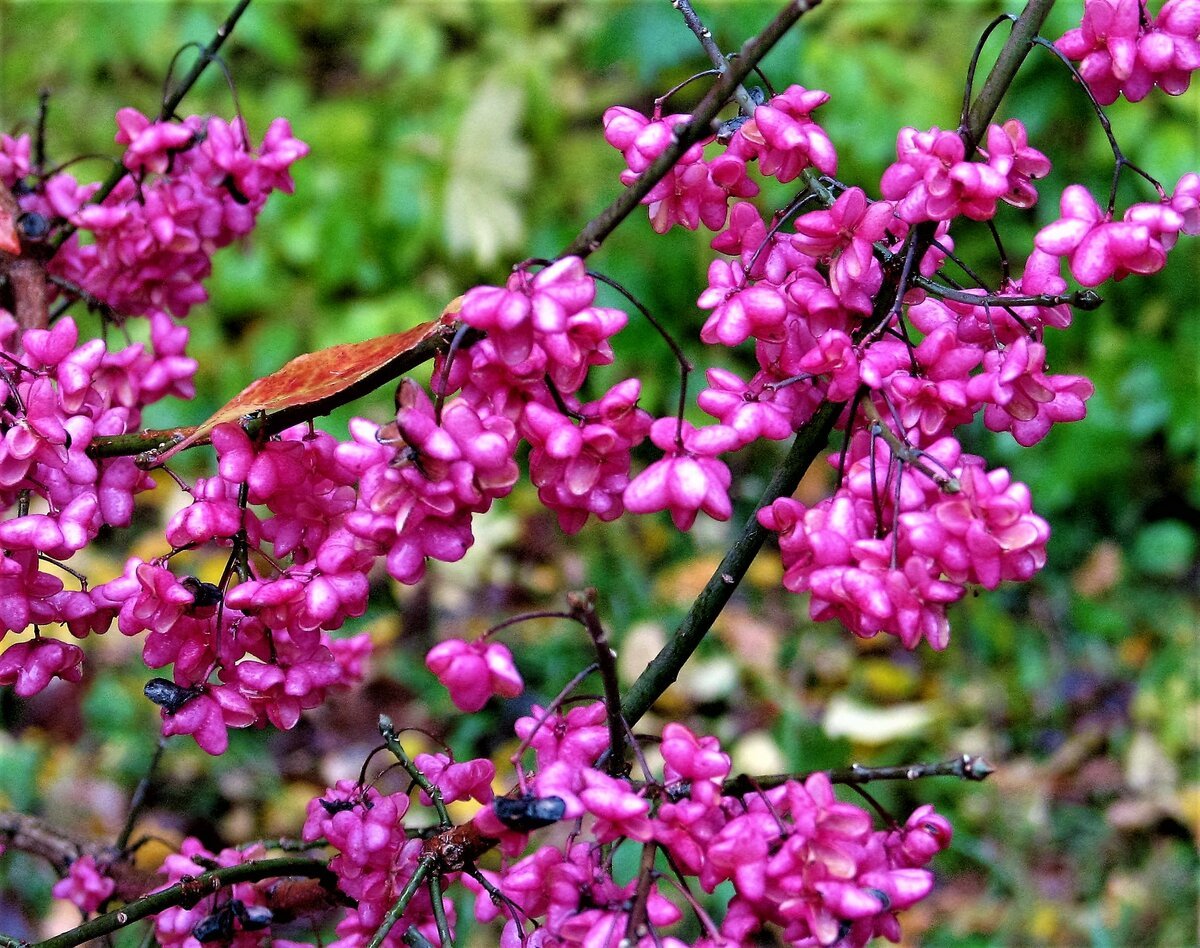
pixel 190 891
pixel 686 135
pixel 704 35
pixel 170 104
pixel 402 900
pixel 138 800
pixel 583 609
pixel 965 767
pixel 388 730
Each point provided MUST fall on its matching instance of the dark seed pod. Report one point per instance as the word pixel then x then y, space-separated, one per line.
pixel 529 813
pixel 205 594
pixel 253 917
pixel 215 927
pixel 33 226
pixel 168 695
pixel 337 806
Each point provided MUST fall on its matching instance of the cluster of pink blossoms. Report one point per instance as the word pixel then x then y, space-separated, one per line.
pixel 912 521
pixel 800 862
pixel 57 396
pixel 1121 51
pixel 267 638
pixel 195 186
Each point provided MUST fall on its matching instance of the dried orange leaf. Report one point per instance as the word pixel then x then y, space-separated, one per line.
pixel 316 383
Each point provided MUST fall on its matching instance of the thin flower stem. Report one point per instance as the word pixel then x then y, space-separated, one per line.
pixel 636 927
pixel 583 610
pixel 594 233
pixel 1119 159
pixel 169 105
pixel 439 911
pixel 388 730
pixel 138 800
pixel 1016 48
pixel 402 900
pixel 704 35
pixel 969 85
pixel 553 706
pixel 685 365
pixel 527 616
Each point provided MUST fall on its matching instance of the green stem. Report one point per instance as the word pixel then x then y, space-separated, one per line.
pixel 1017 47
pixel 664 669
pixel 402 901
pixel 439 911
pixel 190 891
pixel 388 730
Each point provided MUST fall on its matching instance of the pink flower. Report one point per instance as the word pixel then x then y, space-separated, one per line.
pixel 29 666
pixel 689 479
pixel 85 885
pixel 207 715
pixel 783 137
pixel 474 671
pixel 1098 248
pixel 845 235
pixel 468 780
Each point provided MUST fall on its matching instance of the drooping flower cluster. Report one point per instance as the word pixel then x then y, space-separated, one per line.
pixel 801 863
pixel 890 549
pixel 1098 248
pixel 196 186
pixel 56 396
pixel 265 638
pixel 1123 52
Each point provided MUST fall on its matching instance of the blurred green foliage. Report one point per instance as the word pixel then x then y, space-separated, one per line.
pixel 451 140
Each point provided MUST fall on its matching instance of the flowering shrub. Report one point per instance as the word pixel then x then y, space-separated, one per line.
pixel 855 327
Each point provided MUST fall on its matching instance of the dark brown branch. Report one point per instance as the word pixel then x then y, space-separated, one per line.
pixel 664 669
pixel 583 609
pixel 712 50
pixel 966 767
pixel 190 891
pixel 700 127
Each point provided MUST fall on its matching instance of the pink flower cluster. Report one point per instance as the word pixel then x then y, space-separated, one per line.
pixel 56 396
pixel 890 549
pixel 800 862
pixel 807 297
pixel 85 885
pixel 1098 249
pixel 376 857
pixel 196 186
pixel 1122 51
pixel 930 181
pixel 474 671
pixel 267 638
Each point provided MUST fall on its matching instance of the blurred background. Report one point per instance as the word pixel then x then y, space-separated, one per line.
pixel 451 140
